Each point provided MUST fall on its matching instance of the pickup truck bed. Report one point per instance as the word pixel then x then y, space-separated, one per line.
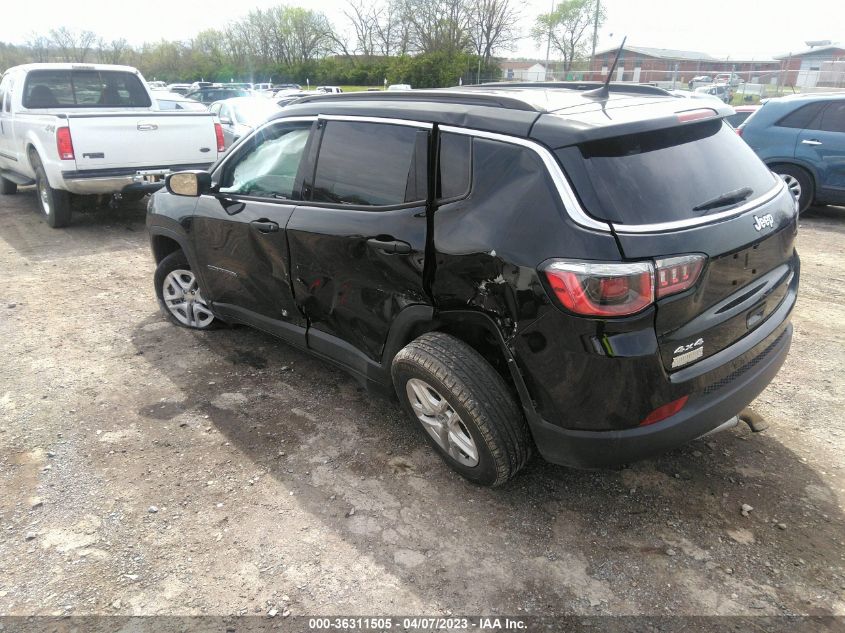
pixel 93 129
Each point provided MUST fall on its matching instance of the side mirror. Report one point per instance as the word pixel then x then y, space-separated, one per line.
pixel 188 183
pixel 225 120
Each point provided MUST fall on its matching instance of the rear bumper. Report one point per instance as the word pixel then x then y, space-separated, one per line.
pixel 703 413
pixel 123 180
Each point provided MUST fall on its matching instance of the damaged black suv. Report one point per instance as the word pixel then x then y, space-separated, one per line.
pixel 597 275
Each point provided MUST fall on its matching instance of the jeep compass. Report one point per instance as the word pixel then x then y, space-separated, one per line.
pixel 595 275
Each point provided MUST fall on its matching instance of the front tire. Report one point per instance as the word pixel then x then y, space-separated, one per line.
pixel 179 295
pixel 465 407
pixel 800 184
pixel 7 187
pixel 54 204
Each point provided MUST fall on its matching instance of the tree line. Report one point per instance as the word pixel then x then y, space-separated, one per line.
pixel 427 43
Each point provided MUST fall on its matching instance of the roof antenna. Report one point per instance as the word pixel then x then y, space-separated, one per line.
pixel 604 91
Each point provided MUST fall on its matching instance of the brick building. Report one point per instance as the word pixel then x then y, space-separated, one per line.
pixel 643 64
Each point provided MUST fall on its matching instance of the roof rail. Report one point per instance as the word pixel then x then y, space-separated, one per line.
pixel 447 95
pixel 631 88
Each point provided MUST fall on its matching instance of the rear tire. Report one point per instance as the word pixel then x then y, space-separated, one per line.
pixel 7 187
pixel 800 184
pixel 466 408
pixel 54 204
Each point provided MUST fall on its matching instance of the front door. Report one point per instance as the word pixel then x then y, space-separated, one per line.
pixel 238 230
pixel 358 240
pixel 823 146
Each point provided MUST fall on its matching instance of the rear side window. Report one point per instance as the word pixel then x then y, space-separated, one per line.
pixel 368 164
pixel 667 175
pixel 802 117
pixel 833 118
pixel 83 89
pixel 455 166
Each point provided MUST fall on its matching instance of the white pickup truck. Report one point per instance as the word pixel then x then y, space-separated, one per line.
pixel 93 129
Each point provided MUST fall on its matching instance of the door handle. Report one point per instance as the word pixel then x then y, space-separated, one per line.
pixel 810 141
pixel 265 226
pixel 390 246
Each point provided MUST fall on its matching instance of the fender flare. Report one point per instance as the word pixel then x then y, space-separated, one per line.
pixel 797 162
pixel 415 320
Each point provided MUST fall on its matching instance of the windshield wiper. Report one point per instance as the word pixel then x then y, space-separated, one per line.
pixel 731 197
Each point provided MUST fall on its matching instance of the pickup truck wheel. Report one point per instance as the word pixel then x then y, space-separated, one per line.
pixel 800 184
pixel 7 187
pixel 465 407
pixel 54 204
pixel 179 295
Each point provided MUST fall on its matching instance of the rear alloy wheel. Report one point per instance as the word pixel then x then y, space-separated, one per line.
pixel 7 187
pixel 179 295
pixel 54 204
pixel 465 407
pixel 799 182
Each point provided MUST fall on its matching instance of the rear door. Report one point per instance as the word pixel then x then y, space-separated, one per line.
pixel 358 242
pixel 689 190
pixel 822 144
pixel 238 231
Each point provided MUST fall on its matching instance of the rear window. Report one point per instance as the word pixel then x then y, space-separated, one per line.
pixel 81 88
pixel 666 175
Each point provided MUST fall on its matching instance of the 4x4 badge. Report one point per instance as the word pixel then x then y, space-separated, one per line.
pixel 763 222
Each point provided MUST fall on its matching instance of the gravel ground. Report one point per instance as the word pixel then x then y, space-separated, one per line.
pixel 147 469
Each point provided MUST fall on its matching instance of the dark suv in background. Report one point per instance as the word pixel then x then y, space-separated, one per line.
pixel 599 276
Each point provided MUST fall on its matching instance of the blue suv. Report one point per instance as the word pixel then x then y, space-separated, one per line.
pixel 802 138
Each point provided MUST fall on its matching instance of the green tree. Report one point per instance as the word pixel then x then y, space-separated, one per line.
pixel 567 28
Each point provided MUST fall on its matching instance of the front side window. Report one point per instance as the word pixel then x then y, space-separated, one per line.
pixel 368 164
pixel 268 165
pixel 84 89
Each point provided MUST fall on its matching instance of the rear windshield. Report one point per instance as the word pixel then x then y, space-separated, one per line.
pixel 81 88
pixel 674 174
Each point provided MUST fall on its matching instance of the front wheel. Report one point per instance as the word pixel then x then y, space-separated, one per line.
pixel 464 406
pixel 179 295
pixel 54 204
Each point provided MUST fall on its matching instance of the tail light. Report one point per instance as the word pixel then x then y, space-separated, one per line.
pixel 64 143
pixel 666 411
pixel 601 289
pixel 695 115
pixel 221 142
pixel 676 274
pixel 739 131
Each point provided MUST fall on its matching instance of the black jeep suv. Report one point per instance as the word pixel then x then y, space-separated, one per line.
pixel 597 276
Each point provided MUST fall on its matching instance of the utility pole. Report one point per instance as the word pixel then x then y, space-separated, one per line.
pixel 595 34
pixel 549 43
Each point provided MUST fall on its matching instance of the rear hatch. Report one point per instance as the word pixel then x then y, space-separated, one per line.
pixel 695 189
pixel 110 140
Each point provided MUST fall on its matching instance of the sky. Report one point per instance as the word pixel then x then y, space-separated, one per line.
pixel 738 30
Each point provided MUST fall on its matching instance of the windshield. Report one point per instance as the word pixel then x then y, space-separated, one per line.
pixel 673 174
pixel 254 112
